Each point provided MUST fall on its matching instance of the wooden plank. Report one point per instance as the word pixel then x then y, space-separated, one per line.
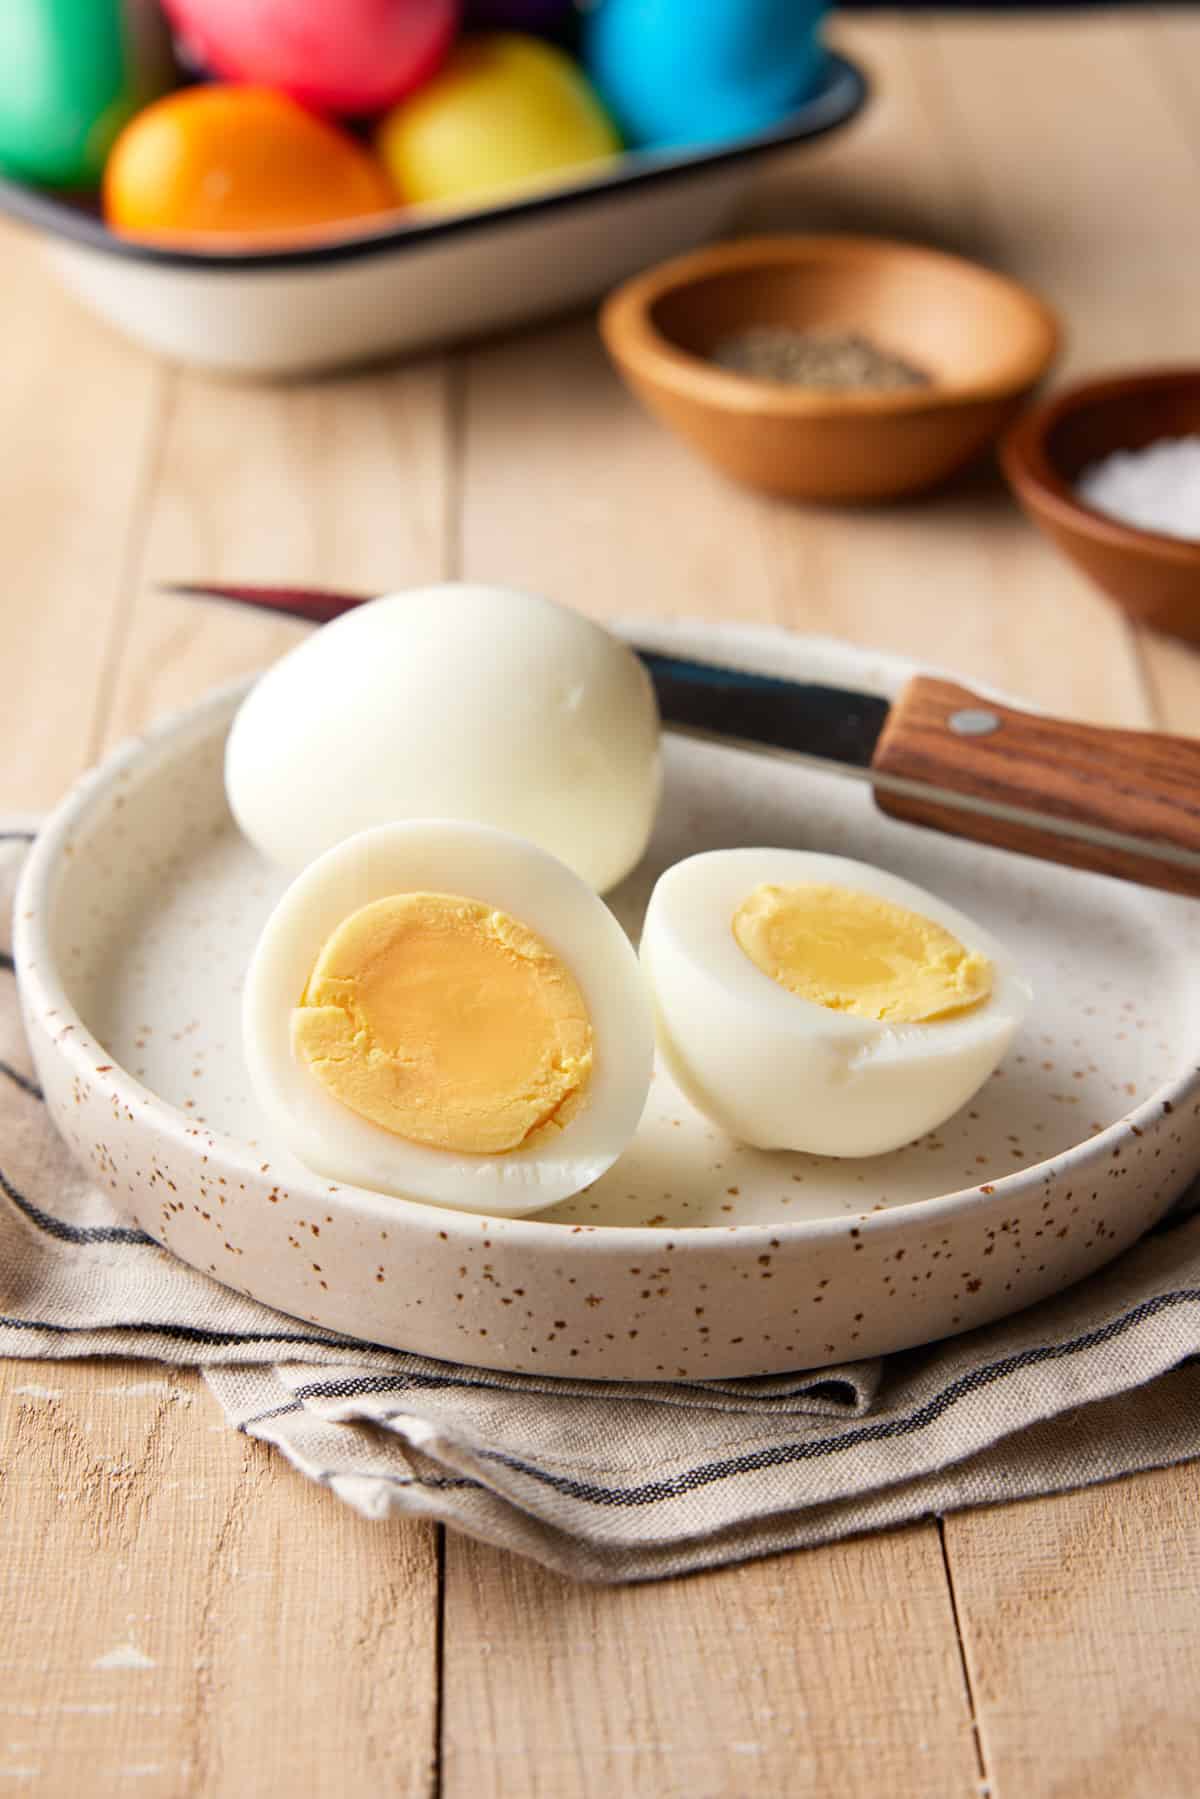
pixel 183 1614
pixel 840 1670
pixel 1079 1615
pixel 1170 38
pixel 1173 673
pixel 1172 43
pixel 570 491
pixel 294 1646
pixel 1104 236
pixel 79 413
pixel 832 1672
pixel 1076 1611
pixel 342 482
pixel 1082 169
pixel 888 175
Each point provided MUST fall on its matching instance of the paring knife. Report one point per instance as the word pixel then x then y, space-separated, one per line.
pixel 1124 803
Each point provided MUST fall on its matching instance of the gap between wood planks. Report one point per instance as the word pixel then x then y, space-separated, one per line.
pixel 964 1664
pixel 439 1655
pixel 130 569
pixel 1058 1707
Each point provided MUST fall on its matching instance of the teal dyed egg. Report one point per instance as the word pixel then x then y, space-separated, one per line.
pixel 72 72
pixel 681 73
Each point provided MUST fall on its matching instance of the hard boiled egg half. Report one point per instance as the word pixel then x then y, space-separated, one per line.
pixel 809 1002
pixel 444 1012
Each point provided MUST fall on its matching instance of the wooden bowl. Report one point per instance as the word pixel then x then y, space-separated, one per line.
pixel 1154 577
pixel 984 340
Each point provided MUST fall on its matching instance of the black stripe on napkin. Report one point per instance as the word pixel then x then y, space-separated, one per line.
pixel 179 1333
pixel 396 1383
pixel 781 1455
pixel 21 1080
pixel 375 1383
pixel 71 1233
pixel 327 1478
pixel 773 1455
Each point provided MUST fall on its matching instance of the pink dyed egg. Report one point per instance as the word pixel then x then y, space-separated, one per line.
pixel 358 56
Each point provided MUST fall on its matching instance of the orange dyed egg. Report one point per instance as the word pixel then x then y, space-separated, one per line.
pixel 236 162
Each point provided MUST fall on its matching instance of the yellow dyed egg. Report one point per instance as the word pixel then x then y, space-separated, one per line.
pixel 505 114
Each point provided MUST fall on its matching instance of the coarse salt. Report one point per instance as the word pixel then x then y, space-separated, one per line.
pixel 1156 488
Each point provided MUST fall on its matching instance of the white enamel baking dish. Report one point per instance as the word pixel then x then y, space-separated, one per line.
pixel 422 282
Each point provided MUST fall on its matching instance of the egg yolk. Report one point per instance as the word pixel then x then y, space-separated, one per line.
pixel 447 1023
pixel 854 952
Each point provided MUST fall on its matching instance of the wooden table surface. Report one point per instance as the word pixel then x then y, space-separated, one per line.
pixel 283 1646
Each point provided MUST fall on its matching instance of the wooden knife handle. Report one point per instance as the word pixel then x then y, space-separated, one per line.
pixel 1140 783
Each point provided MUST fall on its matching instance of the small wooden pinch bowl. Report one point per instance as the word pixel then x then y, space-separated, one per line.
pixel 1154 577
pixel 984 340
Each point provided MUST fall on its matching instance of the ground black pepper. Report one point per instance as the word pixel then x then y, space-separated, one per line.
pixel 832 360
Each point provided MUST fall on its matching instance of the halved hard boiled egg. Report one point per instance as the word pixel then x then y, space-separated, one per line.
pixel 446 1013
pixel 814 1003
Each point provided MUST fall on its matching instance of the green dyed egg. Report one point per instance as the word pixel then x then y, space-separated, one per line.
pixel 72 72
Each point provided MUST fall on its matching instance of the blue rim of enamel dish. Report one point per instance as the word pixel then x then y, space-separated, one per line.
pixel 842 95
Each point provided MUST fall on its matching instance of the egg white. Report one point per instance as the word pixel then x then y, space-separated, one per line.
pixel 779 1071
pixel 446 856
pixel 457 701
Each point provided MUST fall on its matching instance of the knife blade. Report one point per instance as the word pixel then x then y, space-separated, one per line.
pixel 1119 802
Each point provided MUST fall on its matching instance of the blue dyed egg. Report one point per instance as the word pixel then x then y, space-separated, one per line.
pixel 678 73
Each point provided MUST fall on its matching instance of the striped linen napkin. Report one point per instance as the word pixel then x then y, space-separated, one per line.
pixel 612 1482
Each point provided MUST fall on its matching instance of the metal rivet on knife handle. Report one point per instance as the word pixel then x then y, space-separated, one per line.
pixel 972 721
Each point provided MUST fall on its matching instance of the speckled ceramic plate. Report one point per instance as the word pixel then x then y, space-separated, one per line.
pixel 693 1257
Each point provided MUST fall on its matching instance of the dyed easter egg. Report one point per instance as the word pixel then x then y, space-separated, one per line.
pixel 355 56
pixel 674 73
pixel 71 73
pixel 236 161
pixel 505 113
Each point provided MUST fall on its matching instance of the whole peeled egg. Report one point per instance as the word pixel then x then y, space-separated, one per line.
pixel 355 56
pixel 810 1002
pixel 459 701
pixel 445 1013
